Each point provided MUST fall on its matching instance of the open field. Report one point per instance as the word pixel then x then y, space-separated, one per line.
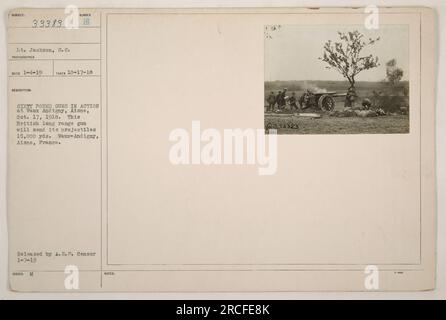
pixel 348 125
pixel 364 89
pixel 286 123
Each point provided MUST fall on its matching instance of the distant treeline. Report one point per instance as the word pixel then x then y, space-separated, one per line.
pixel 339 86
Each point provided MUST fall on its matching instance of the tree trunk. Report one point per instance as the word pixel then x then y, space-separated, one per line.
pixel 351 94
pixel 352 86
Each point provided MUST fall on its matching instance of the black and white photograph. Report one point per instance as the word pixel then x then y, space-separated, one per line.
pixel 137 163
pixel 336 79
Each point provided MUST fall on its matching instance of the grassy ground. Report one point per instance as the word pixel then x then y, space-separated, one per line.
pixel 349 125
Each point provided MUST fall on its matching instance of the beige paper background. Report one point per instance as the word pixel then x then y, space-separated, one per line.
pixel 239 220
pixel 355 198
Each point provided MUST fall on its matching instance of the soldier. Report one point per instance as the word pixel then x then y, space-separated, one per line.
pixel 284 97
pixel 271 101
pixel 279 99
pixel 293 101
pixel 304 99
pixel 366 104
pixel 350 98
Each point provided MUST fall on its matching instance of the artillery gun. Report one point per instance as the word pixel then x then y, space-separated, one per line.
pixel 323 101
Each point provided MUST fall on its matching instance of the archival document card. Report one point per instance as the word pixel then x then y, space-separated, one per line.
pixel 222 150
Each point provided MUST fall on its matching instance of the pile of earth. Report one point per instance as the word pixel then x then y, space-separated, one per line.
pixel 348 112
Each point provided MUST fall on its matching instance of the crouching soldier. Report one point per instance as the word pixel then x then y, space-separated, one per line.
pixel 293 102
pixel 366 104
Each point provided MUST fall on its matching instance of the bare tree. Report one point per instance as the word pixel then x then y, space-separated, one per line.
pixel 345 57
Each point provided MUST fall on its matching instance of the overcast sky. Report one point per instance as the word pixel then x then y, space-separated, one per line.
pixel 293 51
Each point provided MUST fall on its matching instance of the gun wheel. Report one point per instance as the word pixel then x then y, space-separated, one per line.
pixel 326 103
